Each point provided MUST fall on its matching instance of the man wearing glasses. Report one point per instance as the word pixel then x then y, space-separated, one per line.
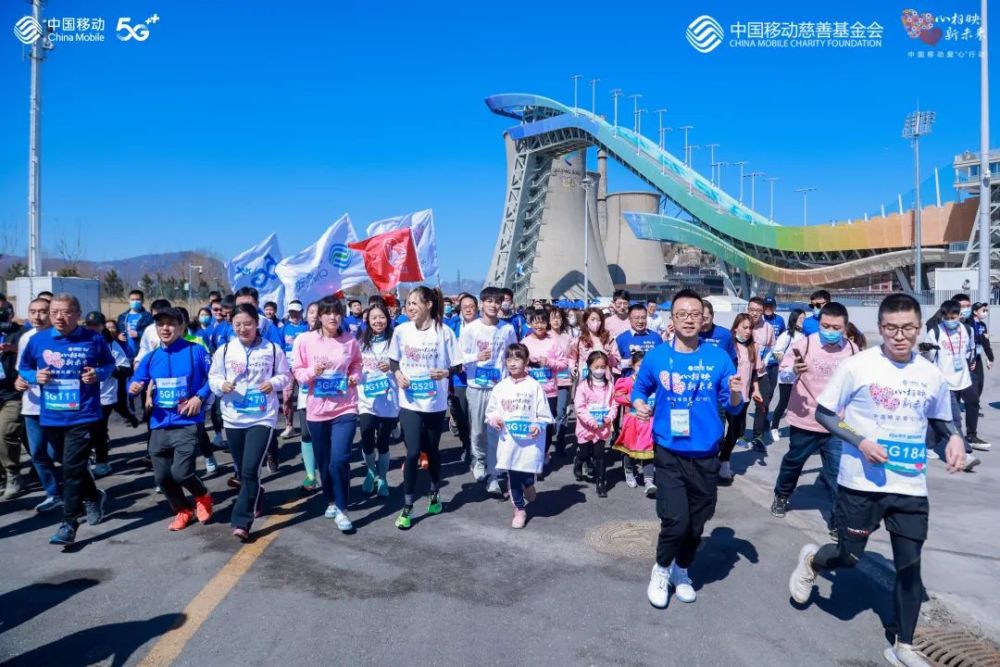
pixel 880 403
pixel 817 300
pixel 688 383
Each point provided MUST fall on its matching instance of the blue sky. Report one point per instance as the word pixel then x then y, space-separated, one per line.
pixel 238 118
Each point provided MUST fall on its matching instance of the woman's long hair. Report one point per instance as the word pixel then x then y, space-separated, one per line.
pixel 751 345
pixel 367 334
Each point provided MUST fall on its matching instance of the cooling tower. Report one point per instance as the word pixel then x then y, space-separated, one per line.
pixel 630 260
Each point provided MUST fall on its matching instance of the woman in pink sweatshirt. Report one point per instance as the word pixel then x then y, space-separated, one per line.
pixel 547 359
pixel 595 412
pixel 328 362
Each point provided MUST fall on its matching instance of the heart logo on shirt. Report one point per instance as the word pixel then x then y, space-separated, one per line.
pixel 483 345
pixel 237 367
pixel 665 380
pixel 411 353
pixel 508 405
pixel 53 359
pixel 677 383
pixel 884 396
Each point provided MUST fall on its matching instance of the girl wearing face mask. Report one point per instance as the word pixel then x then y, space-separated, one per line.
pixel 573 323
pixel 593 338
pixel 595 412
pixel 748 367
pixel 203 326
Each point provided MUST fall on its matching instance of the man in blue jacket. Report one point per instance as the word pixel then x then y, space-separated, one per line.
pixel 178 370
pixel 69 363
pixel 713 334
pixel 636 339
pixel 689 382
pixel 133 322
pixel 817 300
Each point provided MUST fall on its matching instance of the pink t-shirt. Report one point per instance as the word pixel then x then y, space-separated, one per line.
pixel 822 360
pixel 550 347
pixel 563 377
pixel 745 367
pixel 763 337
pixel 580 350
pixel 593 404
pixel 616 325
pixel 344 355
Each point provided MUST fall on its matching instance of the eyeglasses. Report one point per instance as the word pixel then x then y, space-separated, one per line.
pixel 755 311
pixel 893 331
pixel 692 315
pixel 817 304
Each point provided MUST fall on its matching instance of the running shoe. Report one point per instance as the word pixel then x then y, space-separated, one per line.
pixel 50 503
pixel 650 489
pixel 630 477
pixel 210 465
pixel 493 488
pixel 602 489
pixel 578 470
pixel 656 591
pixel 775 435
pixel 978 443
pixel 343 521
pixel 742 443
pixel 479 471
pixel 904 655
pixel 800 584
pixel 310 483
pixel 369 484
pixel 65 535
pixel 758 445
pixel 94 509
pixel 435 506
pixel 520 518
pixel 217 441
pixel 13 488
pixel 683 589
pixel 272 463
pixel 182 520
pixel 970 462
pixel 233 482
pixel 331 511
pixel 242 534
pixel 288 432
pixel 403 520
pixel 203 508
pixel 102 470
pixel 779 507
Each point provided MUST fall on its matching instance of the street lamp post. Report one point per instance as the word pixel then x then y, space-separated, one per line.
pixel 741 164
pixel 985 198
pixel 576 80
pixel 753 188
pixel 191 280
pixel 660 112
pixel 615 94
pixel 805 204
pixel 687 158
pixel 593 96
pixel 771 180
pixel 711 159
pixel 691 149
pixel 917 125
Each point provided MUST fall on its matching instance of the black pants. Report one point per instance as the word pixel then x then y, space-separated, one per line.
pixel 858 514
pixel 595 452
pixel 421 433
pixel 204 444
pixel 686 492
pixel 248 447
pixel 100 436
pixel 737 426
pixel 173 451
pixel 216 415
pixel 970 397
pixel 801 445
pixel 376 433
pixel 767 382
pixel 784 393
pixel 979 375
pixel 458 404
pixel 78 483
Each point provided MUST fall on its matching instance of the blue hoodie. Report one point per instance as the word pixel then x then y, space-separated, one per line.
pixel 698 384
pixel 184 365
pixel 721 338
pixel 66 400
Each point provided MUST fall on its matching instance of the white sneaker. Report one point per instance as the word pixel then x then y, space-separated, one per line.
pixel 970 462
pixel 904 655
pixel 288 432
pixel 681 582
pixel 493 487
pixel 775 435
pixel 800 584
pixel 479 471
pixel 650 489
pixel 630 477
pixel 656 592
pixel 331 511
pixel 210 465
pixel 342 520
pixel 725 472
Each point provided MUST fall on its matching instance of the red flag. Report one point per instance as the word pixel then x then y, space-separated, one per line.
pixel 390 258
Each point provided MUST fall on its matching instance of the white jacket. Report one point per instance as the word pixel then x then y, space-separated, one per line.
pixel 248 368
pixel 519 404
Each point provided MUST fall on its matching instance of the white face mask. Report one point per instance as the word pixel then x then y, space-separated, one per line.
pixel 598 373
pixel 571 320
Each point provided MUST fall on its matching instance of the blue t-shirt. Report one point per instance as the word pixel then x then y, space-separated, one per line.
pixel 721 338
pixel 689 387
pixel 221 334
pixel 777 322
pixel 290 331
pixel 352 324
pixel 629 342
pixel 810 325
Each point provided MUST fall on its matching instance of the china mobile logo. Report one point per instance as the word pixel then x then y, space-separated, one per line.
pixel 340 255
pixel 27 30
pixel 704 34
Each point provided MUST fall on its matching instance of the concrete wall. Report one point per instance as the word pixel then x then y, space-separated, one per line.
pixel 631 260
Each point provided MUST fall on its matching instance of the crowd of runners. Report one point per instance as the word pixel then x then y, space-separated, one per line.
pixel 668 395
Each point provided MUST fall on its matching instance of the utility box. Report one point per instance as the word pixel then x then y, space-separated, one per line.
pixel 22 290
pixel 948 282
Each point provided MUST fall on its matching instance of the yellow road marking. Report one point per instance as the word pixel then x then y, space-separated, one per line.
pixel 170 645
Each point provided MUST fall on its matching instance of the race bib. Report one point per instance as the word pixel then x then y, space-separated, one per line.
pixel 598 412
pixel 376 385
pixel 330 386
pixel 254 401
pixel 61 394
pixel 422 387
pixel 170 392
pixel 487 376
pixel 543 375
pixel 680 423
pixel 564 374
pixel 519 428
pixel 907 453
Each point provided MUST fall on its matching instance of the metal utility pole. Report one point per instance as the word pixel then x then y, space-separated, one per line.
pixel 660 113
pixel 593 96
pixel 771 180
pixel 985 198
pixel 37 55
pixel 615 94
pixel 741 163
pixel 686 128
pixel 576 80
pixel 191 279
pixel 917 125
pixel 691 149
pixel 586 182
pixel 635 112
pixel 711 148
pixel 753 188
pixel 805 204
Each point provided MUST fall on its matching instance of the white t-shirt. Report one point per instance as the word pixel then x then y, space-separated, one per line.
pixel 655 324
pixel 109 388
pixel 477 336
pixel 417 353
pixel 149 341
pixel 31 400
pixel 520 404
pixel 888 403
pixel 377 391
pixel 956 348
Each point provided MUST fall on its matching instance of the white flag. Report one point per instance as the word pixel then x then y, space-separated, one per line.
pixel 325 267
pixel 422 225
pixel 255 267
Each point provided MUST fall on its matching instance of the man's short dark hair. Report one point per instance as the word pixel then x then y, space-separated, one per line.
pixel 272 304
pixel 621 294
pixel 961 297
pixel 636 306
pixel 950 307
pixel 705 303
pixel 820 294
pixel 214 294
pixel 684 294
pixel 139 293
pixel 350 302
pixel 246 290
pixel 505 292
pixel 158 305
pixel 759 300
pixel 229 301
pixel 898 303
pixel 834 309
pixel 493 293
pixel 45 294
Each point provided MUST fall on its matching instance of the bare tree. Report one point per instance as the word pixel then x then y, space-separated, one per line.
pixel 71 250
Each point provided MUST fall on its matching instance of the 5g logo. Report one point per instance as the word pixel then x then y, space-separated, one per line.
pixel 139 32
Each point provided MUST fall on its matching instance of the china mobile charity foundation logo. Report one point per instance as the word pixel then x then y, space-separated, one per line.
pixel 704 34
pixel 27 30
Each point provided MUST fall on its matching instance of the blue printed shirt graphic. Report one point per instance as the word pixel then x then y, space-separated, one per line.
pixel 178 372
pixel 777 322
pixel 810 325
pixel 721 338
pixel 66 399
pixel 290 331
pixel 630 341
pixel 691 385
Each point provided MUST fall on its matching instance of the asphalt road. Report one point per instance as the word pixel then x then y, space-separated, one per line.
pixel 462 587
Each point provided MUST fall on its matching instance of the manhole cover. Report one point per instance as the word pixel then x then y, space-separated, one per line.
pixel 949 648
pixel 632 539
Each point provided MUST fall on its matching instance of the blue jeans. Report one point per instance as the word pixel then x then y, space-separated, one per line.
pixel 43 457
pixel 801 445
pixel 517 482
pixel 562 401
pixel 332 441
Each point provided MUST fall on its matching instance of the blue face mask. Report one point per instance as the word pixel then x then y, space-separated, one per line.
pixel 828 337
pixel 950 325
pixel 205 320
pixel 816 311
pixel 135 305
pixel 965 313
